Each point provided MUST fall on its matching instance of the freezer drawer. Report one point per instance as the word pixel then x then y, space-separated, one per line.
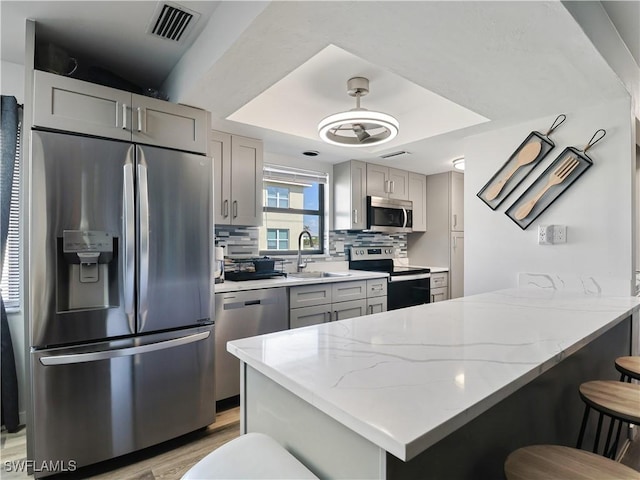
pixel 100 401
pixel 242 315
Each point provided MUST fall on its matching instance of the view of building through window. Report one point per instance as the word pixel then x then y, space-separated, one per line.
pixel 293 202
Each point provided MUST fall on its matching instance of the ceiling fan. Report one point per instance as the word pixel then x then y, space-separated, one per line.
pixel 358 127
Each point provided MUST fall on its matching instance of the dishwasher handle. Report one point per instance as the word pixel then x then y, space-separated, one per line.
pixel 241 303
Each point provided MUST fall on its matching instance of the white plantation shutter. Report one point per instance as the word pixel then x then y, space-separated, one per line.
pixel 10 283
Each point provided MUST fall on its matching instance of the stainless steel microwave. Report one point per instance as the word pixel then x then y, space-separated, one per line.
pixel 389 215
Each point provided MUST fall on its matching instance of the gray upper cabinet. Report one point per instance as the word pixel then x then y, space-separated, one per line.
pixel 349 195
pixel 418 196
pixel 237 175
pixel 387 182
pixel 156 122
pixel 457 202
pixel 63 103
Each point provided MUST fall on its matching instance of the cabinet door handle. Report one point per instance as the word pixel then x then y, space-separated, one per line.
pixel 386 186
pixel 235 209
pixel 124 116
pixel 139 119
pixel 225 208
pixel 117 109
pixel 370 309
pixel 330 315
pixel 355 216
pixel 392 184
pixel 455 242
pixel 455 220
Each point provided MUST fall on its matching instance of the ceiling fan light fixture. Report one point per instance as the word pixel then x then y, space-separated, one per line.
pixel 358 127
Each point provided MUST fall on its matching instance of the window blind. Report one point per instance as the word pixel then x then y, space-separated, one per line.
pixel 10 283
pixel 296 176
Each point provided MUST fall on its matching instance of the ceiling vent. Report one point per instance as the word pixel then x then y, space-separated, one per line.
pixel 395 154
pixel 172 21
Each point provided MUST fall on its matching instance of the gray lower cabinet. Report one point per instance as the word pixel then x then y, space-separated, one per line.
pixel 327 302
pixel 376 305
pixel 439 287
pixel 305 316
pixel 376 295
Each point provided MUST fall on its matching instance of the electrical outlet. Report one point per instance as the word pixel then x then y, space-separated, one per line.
pixel 545 234
pixel 559 234
pixel 552 234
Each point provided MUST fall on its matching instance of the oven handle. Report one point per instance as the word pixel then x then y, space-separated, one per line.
pixel 406 278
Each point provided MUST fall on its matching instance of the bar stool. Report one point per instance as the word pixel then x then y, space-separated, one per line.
pixel 629 367
pixel 554 462
pixel 251 456
pixel 617 400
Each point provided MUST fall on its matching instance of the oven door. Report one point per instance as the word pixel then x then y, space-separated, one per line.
pixel 408 290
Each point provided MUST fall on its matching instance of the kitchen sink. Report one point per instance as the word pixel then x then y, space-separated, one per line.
pixel 318 274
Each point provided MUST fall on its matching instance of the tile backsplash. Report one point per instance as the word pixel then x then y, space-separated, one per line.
pixel 243 241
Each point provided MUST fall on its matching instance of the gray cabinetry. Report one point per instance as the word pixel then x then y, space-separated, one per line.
pixel 326 302
pixel 418 196
pixel 443 242
pixel 238 179
pixel 439 287
pixel 349 195
pixel 387 182
pixel 456 271
pixel 67 104
pixel 456 202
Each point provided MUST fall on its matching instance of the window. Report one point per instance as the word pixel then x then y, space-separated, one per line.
pixel 10 281
pixel 293 201
pixel 277 239
pixel 277 197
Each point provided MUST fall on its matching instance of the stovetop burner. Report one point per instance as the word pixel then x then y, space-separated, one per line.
pixel 379 259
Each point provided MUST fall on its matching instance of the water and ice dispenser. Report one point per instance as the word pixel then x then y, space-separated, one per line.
pixel 87 270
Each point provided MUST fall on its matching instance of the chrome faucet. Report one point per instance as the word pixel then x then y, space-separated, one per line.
pixel 299 264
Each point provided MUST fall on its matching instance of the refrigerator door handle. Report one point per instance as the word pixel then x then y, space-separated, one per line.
pixel 122 352
pixel 129 240
pixel 143 239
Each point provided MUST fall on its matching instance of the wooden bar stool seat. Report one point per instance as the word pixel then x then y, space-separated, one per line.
pixel 629 367
pixel 554 462
pixel 617 400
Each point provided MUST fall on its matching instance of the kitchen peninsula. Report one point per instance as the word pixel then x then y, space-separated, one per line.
pixel 443 390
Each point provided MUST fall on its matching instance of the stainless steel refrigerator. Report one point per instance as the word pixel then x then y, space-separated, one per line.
pixel 121 321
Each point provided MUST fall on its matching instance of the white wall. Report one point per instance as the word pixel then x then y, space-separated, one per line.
pixel 12 80
pixel 598 209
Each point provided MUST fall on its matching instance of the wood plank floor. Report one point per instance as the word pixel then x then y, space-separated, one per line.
pixel 167 461
pixel 170 460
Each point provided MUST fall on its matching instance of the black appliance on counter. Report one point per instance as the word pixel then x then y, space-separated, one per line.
pixel 408 286
pixel 242 269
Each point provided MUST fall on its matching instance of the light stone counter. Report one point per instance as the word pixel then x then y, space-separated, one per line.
pixel 406 379
pixel 290 281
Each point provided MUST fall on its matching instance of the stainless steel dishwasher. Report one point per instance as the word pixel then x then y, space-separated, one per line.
pixel 240 315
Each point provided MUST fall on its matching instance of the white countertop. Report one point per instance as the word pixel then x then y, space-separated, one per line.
pixel 407 378
pixel 290 281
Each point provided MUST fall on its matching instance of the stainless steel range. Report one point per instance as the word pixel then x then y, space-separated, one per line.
pixel 408 286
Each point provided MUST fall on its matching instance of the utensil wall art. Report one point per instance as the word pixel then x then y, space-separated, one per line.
pixel 521 162
pixel 553 182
